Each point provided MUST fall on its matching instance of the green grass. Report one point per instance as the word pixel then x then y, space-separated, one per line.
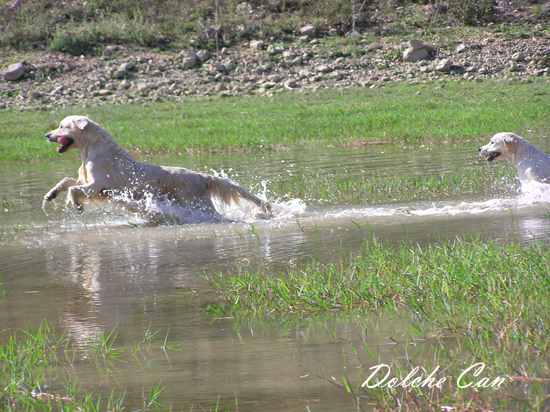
pixel 451 278
pixel 37 373
pixel 476 301
pixel 392 114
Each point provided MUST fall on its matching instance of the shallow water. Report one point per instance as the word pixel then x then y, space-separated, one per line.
pixel 90 273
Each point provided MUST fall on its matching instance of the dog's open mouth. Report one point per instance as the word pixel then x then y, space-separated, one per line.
pixel 492 156
pixel 65 143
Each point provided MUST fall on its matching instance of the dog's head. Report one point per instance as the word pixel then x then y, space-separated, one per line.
pixel 69 134
pixel 501 147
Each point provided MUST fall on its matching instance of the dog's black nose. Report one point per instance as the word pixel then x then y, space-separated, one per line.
pixel 479 150
pixel 48 135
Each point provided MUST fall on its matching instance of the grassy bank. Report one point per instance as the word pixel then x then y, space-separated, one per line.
pixel 82 27
pixel 475 301
pixel 398 114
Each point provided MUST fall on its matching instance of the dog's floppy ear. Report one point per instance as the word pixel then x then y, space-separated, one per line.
pixel 510 143
pixel 81 123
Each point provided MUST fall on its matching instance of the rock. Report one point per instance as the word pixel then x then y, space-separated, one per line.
pixel 309 31
pixel 228 65
pixel 126 67
pixel 461 48
pixel 415 55
pixel 220 87
pixel 142 59
pixel 246 8
pixel 514 66
pixel 333 32
pixel 118 74
pixel 323 68
pixel 14 72
pixel 518 57
pixel 110 51
pixel 164 90
pixel 275 78
pixel 417 51
pixel 104 92
pixel 288 55
pixel 143 88
pixel 257 44
pixel 443 65
pixel 189 62
pixel 415 44
pixel 125 84
pixel 107 52
pixel 274 49
pixel 175 88
pixel 304 74
pixel 303 38
pixel 269 85
pixel 204 55
pixel 216 66
pixel 291 84
pixel 336 75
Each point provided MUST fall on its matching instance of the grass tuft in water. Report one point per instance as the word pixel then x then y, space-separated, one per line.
pixel 30 367
pixel 470 300
pixel 103 345
pixel 369 188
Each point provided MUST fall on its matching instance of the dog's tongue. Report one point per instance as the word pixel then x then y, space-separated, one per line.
pixel 62 140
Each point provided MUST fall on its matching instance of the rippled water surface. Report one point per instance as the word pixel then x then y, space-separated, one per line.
pixel 93 272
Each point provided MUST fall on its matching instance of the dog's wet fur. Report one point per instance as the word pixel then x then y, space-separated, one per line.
pixel 531 163
pixel 108 171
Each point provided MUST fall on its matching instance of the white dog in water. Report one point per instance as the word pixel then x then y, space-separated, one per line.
pixel 530 162
pixel 107 170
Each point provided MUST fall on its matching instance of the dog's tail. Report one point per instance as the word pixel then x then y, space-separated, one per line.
pixel 229 193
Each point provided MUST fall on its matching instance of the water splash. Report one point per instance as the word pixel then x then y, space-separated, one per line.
pixel 158 210
pixel 529 194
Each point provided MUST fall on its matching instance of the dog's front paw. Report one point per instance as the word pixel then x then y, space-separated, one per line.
pixel 51 195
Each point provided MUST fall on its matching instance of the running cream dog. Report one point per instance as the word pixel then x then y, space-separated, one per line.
pixel 108 170
pixel 530 162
